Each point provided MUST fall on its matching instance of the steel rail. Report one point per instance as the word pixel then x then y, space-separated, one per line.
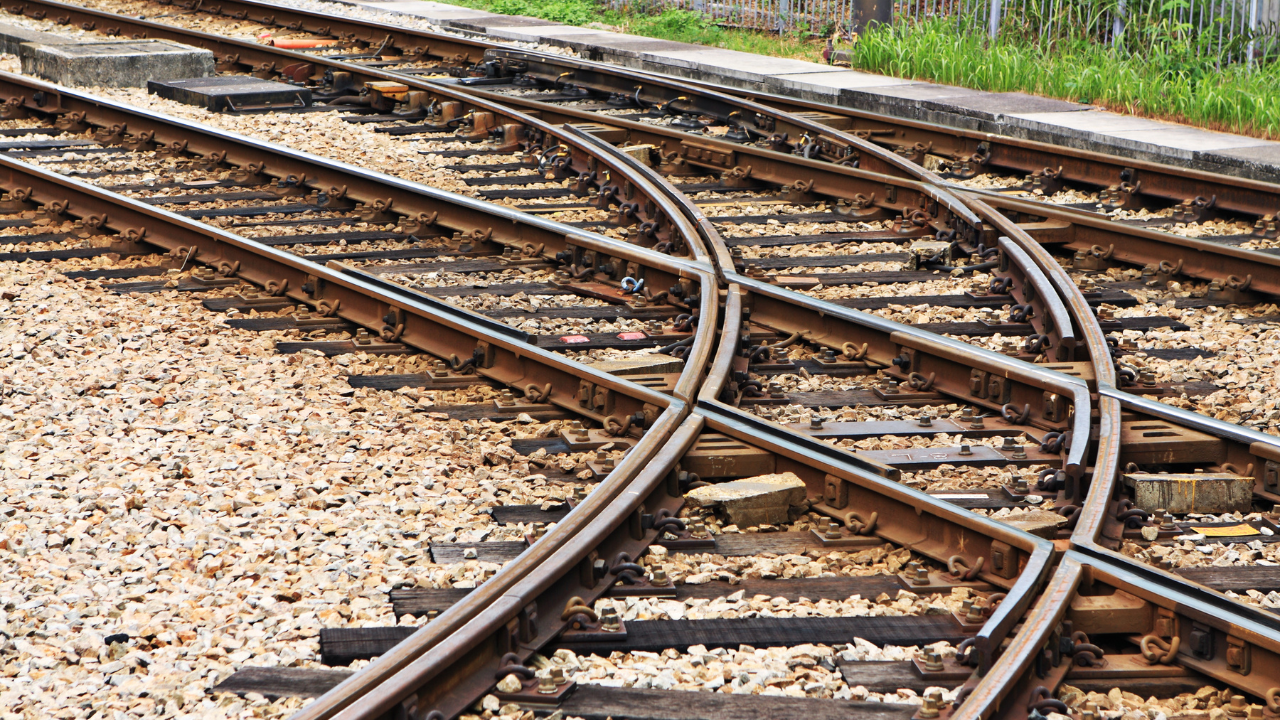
pixel 1090 233
pixel 1009 675
pixel 813 139
pixel 270 61
pixel 1202 625
pixel 901 508
pixel 958 369
pixel 870 195
pixel 449 677
pixel 452 667
pixel 504 128
pixel 907 517
pixel 873 197
pixel 907 137
pixel 926 198
pixel 428 325
pixel 383 40
pixel 987 152
pixel 422 322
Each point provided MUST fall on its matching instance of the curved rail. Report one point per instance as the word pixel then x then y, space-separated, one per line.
pixel 443 665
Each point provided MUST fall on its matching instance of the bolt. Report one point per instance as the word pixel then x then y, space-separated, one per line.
pixel 978 423
pixel 655 327
pixel 1148 378
pixel 1020 485
pixel 608 463
pixel 508 398
pixel 698 530
pixel 966 414
pixel 891 387
pixel 933 661
pixel 1019 452
pixel 833 531
pixel 546 686
pixel 609 620
pixel 1008 445
pixel 601 455
pixel 973 614
pixel 929 709
pixel 1237 707
pixel 1166 520
pixel 966 450
pixel 557 676
pixel 829 355
pixel 918 573
pixel 659 577
pixel 775 390
pixel 1255 712
pixel 815 423
pixel 926 421
pixel 580 493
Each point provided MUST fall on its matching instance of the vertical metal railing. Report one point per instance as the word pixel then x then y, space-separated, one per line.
pixel 1238 30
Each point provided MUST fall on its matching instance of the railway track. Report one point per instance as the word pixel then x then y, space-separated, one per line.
pixel 904 431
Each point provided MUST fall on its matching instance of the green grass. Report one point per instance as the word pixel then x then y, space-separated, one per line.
pixel 1171 79
pixel 677 25
pixel 1156 71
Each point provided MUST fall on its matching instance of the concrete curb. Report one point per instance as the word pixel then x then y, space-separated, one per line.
pixel 1010 114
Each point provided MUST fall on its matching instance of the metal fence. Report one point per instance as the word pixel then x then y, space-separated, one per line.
pixel 805 16
pixel 1235 30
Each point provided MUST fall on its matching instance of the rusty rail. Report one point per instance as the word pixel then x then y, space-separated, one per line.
pixel 453 659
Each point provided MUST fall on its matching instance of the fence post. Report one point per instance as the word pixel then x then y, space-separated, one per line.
pixel 1117 23
pixel 1253 27
pixel 784 9
pixel 994 19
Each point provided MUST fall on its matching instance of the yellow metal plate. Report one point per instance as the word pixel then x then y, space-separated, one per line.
pixel 1230 531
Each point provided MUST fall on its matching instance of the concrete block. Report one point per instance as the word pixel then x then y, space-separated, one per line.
pixel 826 86
pixel 715 64
pixel 437 12
pixel 1187 138
pixel 993 106
pixel 1182 493
pixel 640 365
pixel 1097 121
pixel 760 500
pixel 538 33
pixel 1040 523
pixel 119 63
pixel 12 37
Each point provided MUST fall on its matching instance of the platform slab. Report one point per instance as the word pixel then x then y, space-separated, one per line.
pixel 116 63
